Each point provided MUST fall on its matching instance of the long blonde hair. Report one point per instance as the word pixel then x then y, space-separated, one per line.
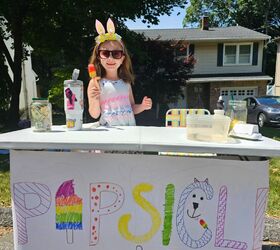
pixel 125 71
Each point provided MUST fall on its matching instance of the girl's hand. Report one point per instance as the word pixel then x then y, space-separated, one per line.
pixel 147 103
pixel 94 88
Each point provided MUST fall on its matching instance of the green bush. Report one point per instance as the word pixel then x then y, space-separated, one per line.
pixel 56 96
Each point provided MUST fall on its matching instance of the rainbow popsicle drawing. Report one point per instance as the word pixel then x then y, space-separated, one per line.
pixel 68 210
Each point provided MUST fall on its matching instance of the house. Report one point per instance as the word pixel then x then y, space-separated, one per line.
pixel 29 77
pixel 229 63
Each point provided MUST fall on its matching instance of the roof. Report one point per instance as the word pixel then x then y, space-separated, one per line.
pixel 197 34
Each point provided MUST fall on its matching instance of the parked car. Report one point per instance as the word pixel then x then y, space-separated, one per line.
pixel 263 110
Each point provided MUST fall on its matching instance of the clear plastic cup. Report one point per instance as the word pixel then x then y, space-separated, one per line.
pixel 237 111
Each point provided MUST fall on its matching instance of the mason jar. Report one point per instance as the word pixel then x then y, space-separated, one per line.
pixel 41 114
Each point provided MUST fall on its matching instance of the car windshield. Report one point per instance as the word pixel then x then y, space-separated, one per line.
pixel 269 101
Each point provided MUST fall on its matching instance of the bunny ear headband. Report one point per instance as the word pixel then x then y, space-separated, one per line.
pixel 109 36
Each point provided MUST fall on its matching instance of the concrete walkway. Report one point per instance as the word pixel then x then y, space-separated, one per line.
pixel 6 242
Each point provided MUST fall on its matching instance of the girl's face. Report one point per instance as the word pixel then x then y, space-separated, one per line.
pixel 111 55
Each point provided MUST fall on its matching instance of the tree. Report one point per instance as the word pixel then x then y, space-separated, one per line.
pixel 160 75
pixel 58 26
pixel 259 15
pixel 220 12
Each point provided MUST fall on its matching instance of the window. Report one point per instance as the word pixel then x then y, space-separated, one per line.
pixel 224 92
pixel 238 54
pixel 250 92
pixel 230 54
pixel 251 102
pixel 245 54
pixel 241 92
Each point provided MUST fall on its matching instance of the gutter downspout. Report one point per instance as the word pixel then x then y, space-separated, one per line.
pixel 25 92
pixel 277 68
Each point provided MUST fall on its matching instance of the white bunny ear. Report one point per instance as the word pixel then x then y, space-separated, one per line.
pixel 110 26
pixel 99 27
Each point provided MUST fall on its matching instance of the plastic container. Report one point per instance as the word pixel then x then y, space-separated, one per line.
pixel 74 102
pixel 41 115
pixel 237 111
pixel 209 128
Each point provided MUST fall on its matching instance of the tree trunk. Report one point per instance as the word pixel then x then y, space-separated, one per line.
pixel 18 50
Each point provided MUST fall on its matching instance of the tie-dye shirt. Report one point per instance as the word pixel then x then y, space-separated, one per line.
pixel 116 109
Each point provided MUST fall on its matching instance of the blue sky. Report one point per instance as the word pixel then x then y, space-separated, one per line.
pixel 172 21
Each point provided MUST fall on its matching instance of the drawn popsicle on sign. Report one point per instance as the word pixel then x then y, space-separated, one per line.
pixel 68 210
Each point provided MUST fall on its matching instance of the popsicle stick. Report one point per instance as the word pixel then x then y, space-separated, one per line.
pixel 70 236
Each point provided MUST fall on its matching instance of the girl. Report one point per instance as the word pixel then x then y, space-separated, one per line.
pixel 111 94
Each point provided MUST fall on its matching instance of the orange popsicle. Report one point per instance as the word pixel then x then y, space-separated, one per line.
pixel 91 70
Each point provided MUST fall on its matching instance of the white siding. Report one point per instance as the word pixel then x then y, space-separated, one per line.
pixel 206 56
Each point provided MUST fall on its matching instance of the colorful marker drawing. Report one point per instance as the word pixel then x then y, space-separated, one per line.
pixel 261 202
pixel 24 209
pixel 153 212
pixel 96 190
pixel 168 214
pixel 189 209
pixel 68 210
pixel 220 241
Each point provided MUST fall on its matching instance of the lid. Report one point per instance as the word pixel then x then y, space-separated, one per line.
pixel 219 112
pixel 39 99
pixel 73 83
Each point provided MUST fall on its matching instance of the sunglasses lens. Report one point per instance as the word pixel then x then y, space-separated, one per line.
pixel 104 54
pixel 116 54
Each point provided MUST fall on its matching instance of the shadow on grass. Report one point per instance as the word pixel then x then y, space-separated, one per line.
pixel 271 132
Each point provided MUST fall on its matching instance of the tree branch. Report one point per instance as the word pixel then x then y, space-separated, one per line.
pixel 6 75
pixel 6 52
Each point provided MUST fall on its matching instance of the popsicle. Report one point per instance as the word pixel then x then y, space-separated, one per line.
pixel 91 70
pixel 203 224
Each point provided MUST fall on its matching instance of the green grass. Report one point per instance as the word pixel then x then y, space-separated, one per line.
pixel 5 194
pixel 273 207
pixel 274 188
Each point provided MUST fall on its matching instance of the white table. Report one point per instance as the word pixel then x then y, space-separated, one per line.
pixel 133 138
pixel 83 200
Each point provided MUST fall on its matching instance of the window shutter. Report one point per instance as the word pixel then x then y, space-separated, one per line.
pixel 220 54
pixel 255 53
pixel 191 49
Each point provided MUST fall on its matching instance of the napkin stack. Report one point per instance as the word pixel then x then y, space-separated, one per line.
pixel 246 131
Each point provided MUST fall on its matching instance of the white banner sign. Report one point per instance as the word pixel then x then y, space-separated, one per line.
pixel 64 200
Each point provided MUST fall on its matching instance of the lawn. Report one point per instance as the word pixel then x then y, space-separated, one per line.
pixel 274 179
pixel 5 200
pixel 274 184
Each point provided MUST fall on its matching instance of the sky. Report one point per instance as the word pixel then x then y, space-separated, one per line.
pixel 166 22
